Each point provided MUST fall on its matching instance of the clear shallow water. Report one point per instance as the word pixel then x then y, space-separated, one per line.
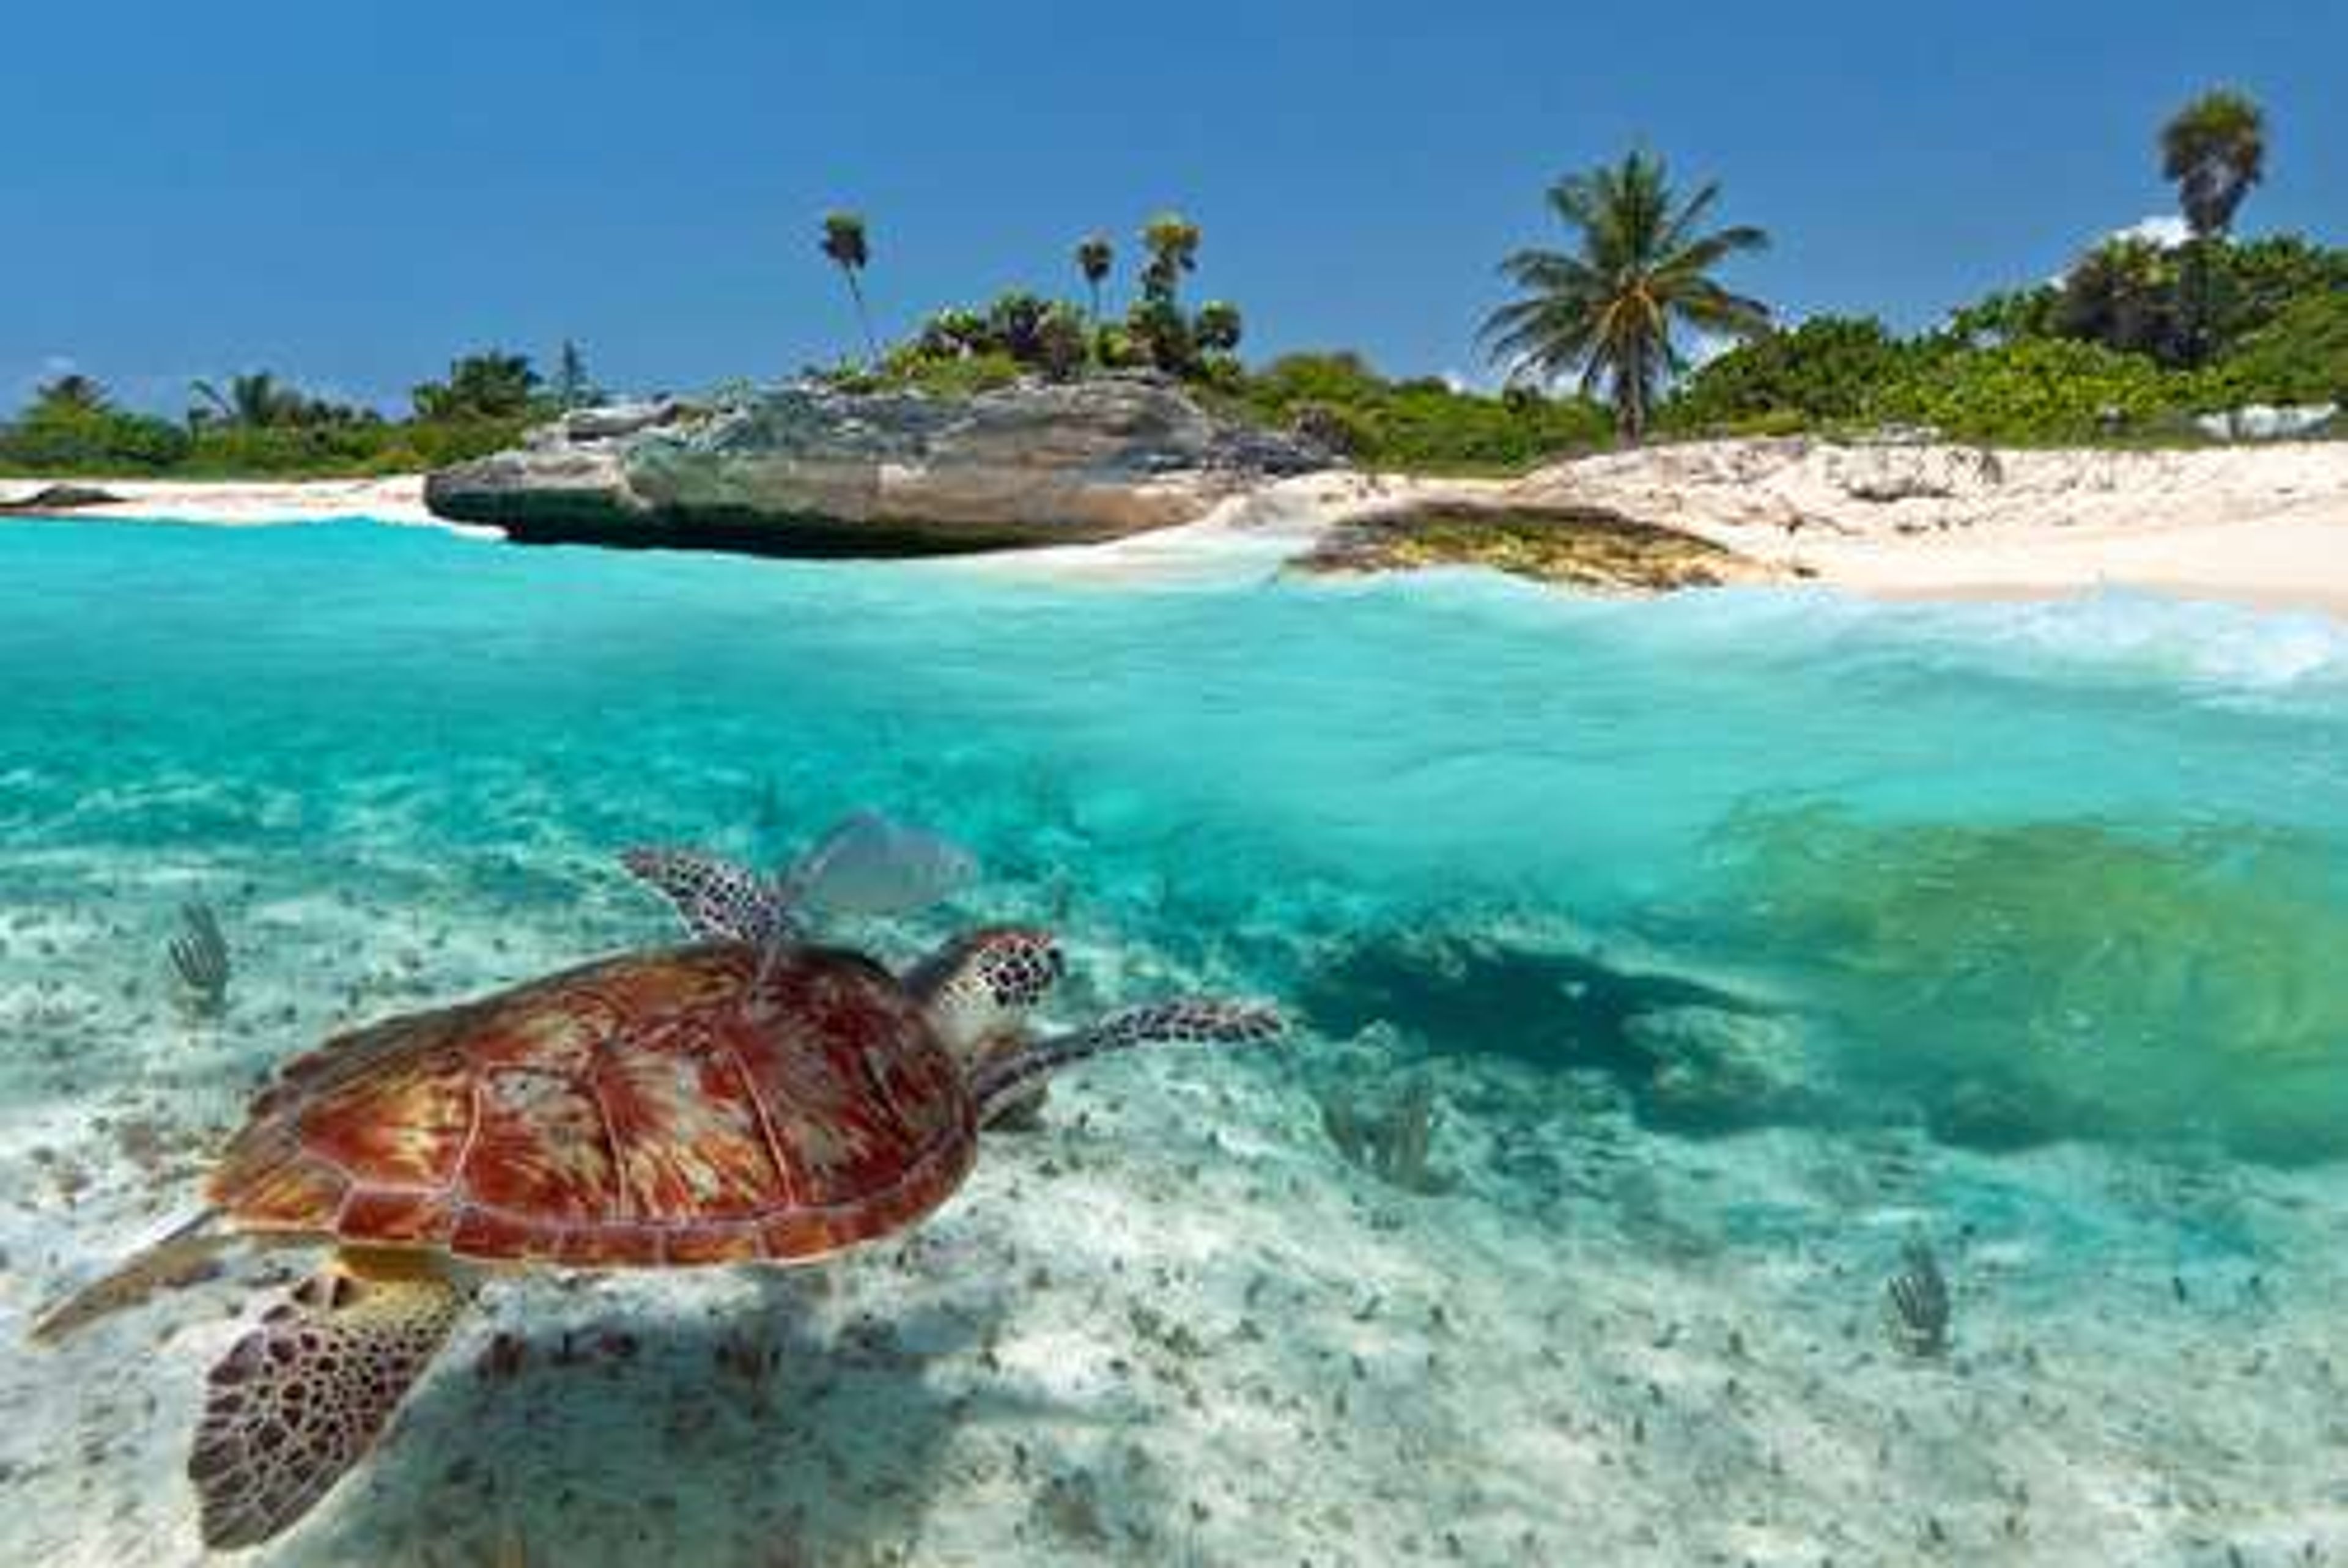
pixel 1991 879
pixel 2086 855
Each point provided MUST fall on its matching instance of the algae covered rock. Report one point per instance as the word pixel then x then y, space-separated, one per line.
pixel 2024 982
pixel 1581 546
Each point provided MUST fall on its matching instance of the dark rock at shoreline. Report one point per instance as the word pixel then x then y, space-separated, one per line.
pixel 64 498
pixel 808 471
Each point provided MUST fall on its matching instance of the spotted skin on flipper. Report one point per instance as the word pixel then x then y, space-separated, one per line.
pixel 1193 1020
pixel 716 899
pixel 300 1399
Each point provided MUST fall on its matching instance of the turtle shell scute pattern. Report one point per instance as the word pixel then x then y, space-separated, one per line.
pixel 658 1108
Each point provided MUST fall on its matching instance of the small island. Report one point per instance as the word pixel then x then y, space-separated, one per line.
pixel 2161 414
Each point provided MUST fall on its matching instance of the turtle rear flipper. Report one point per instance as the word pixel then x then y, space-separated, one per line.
pixel 301 1398
pixel 172 1258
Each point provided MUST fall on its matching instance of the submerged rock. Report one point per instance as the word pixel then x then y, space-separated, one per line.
pixel 1690 1053
pixel 808 471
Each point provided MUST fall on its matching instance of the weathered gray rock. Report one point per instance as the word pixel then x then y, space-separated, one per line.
pixel 60 498
pixel 807 471
pixel 1882 472
pixel 2265 422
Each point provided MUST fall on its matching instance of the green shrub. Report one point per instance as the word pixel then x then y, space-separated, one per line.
pixel 2130 293
pixel 1218 327
pixel 1161 335
pixel 1420 425
pixel 2036 390
pixel 1824 371
pixel 56 439
pixel 481 386
pixel 2300 356
pixel 2258 282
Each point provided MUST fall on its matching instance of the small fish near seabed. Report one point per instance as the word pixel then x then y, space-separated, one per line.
pixel 872 865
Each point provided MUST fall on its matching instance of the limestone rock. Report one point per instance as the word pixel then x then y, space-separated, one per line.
pixel 807 471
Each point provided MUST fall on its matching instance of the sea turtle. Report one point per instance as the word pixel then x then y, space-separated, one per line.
pixel 719 1101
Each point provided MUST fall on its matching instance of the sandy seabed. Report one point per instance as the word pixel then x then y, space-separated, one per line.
pixel 1175 1325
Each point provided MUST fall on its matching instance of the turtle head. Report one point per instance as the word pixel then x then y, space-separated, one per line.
pixel 978 988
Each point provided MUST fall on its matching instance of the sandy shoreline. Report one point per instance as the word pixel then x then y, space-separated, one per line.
pixel 235 503
pixel 2264 527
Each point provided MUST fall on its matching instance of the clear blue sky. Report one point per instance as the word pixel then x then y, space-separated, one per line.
pixel 349 191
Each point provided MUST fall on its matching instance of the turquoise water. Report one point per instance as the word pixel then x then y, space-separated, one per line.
pixel 2008 881
pixel 1994 844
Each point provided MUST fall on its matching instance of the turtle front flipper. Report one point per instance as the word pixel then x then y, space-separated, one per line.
pixel 1000 1080
pixel 301 1398
pixel 718 899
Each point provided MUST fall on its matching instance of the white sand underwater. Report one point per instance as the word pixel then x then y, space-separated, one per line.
pixel 1175 1327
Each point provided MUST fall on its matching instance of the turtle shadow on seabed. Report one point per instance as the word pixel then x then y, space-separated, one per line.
pixel 780 1423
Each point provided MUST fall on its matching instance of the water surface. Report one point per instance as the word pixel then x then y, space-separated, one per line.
pixel 1994 883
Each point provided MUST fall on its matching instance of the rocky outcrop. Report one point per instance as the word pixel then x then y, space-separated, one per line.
pixel 63 497
pixel 807 471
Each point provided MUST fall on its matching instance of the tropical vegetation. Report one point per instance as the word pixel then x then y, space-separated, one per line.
pixel 2142 334
pixel 963 349
pixel 256 424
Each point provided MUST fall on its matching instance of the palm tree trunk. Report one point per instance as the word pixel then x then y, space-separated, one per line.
pixel 2194 282
pixel 863 317
pixel 1631 402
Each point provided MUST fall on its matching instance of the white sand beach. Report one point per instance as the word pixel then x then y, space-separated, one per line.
pixel 398 498
pixel 2253 525
pixel 2265 525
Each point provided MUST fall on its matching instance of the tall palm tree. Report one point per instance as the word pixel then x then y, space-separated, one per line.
pixel 1172 241
pixel 1606 309
pixel 2215 150
pixel 1094 257
pixel 72 393
pixel 253 400
pixel 846 242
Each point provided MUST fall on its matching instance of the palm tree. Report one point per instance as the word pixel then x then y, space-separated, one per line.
pixel 1094 257
pixel 1606 309
pixel 255 400
pixel 844 240
pixel 72 393
pixel 1172 241
pixel 2215 150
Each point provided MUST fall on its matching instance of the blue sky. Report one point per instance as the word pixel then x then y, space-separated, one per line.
pixel 349 193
